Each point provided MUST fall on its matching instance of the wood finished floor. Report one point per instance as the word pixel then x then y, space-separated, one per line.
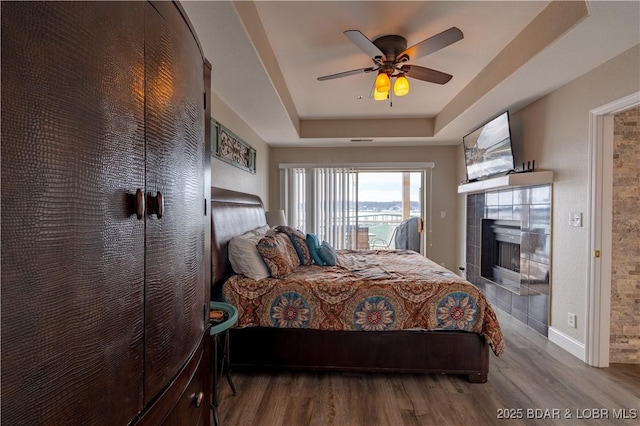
pixel 532 374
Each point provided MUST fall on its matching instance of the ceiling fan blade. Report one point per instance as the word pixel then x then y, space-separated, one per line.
pixel 433 44
pixel 347 73
pixel 364 44
pixel 426 74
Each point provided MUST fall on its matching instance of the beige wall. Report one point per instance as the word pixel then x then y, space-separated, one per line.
pixel 554 131
pixel 226 176
pixel 461 217
pixel 444 182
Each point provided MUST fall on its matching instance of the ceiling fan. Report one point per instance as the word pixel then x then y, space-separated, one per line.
pixel 390 56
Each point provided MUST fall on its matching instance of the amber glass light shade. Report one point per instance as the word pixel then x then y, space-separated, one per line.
pixel 380 96
pixel 383 84
pixel 401 86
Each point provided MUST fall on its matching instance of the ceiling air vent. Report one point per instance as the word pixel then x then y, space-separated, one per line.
pixel 361 140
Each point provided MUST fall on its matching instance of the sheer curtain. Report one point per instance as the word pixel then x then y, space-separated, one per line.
pixel 322 201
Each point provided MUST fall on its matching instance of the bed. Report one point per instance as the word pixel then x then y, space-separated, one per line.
pixel 373 313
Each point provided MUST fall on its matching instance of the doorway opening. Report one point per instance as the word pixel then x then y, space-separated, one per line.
pixel 597 345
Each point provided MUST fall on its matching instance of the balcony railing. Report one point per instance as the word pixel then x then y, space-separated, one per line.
pixel 374 230
pixel 365 230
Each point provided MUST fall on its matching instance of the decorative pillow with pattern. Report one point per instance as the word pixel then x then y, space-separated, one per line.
pixel 279 255
pixel 299 241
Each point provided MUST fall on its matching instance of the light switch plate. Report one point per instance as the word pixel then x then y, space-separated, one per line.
pixel 575 219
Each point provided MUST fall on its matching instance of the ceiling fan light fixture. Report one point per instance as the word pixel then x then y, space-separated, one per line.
pixel 390 56
pixel 401 86
pixel 380 96
pixel 383 83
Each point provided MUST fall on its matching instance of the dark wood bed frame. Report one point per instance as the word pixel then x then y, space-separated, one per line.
pixel 451 352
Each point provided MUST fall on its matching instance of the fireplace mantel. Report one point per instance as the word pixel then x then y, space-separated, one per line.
pixel 507 181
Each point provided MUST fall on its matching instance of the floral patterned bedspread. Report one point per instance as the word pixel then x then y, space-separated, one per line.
pixel 368 290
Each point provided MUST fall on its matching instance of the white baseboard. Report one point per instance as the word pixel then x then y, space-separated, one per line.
pixel 567 343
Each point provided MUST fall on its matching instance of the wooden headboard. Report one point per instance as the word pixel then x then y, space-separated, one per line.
pixel 232 213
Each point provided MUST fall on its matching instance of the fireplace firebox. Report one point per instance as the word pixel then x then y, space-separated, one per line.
pixel 500 253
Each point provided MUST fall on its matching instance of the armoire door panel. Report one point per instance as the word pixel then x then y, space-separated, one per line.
pixel 72 246
pixel 174 282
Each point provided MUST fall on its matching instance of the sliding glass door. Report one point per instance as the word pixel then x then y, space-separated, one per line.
pixel 385 200
pixel 353 208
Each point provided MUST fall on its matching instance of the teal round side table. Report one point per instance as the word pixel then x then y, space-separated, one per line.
pixel 232 314
pixel 216 331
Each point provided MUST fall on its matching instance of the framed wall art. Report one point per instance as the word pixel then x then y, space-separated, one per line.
pixel 229 148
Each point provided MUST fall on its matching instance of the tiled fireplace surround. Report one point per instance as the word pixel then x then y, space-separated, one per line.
pixel 531 206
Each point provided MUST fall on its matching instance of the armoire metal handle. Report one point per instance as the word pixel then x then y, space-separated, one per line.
pixel 197 399
pixel 157 205
pixel 139 203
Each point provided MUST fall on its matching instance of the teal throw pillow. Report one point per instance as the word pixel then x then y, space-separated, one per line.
pixel 314 247
pixel 328 254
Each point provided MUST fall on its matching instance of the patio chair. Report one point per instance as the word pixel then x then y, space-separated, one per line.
pixel 377 243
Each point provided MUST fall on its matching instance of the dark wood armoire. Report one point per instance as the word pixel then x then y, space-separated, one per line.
pixel 105 226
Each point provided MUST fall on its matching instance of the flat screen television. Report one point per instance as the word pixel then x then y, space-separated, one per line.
pixel 487 150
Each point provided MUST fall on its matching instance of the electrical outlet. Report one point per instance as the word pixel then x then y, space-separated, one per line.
pixel 572 320
pixel 443 214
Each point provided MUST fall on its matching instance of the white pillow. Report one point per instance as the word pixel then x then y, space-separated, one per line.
pixel 244 257
pixel 262 230
pixel 246 235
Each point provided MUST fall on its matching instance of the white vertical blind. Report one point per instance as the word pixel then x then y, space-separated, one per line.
pixel 322 201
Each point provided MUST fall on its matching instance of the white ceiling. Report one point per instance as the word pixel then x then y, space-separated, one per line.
pixel 267 55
